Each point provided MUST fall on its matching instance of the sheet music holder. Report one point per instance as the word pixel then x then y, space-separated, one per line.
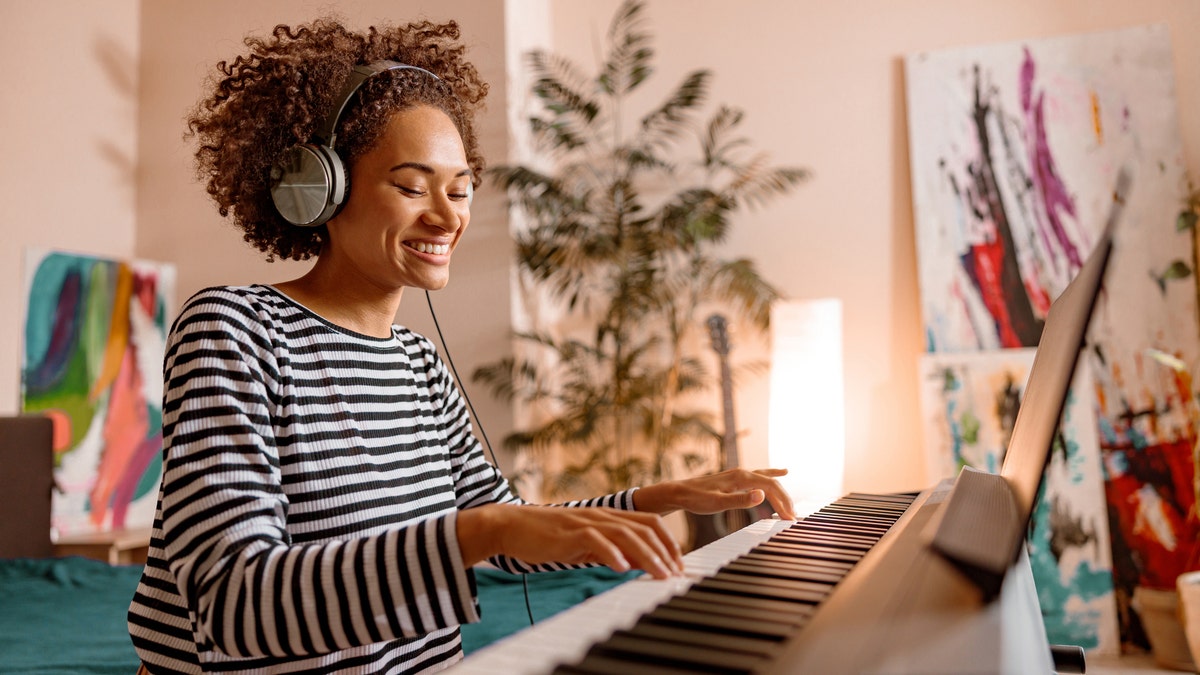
pixel 982 527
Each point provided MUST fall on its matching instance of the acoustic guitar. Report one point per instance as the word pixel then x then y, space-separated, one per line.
pixel 705 529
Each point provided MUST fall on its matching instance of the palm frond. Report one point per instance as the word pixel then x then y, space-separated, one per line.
pixel 560 87
pixel 756 184
pixel 716 150
pixel 737 283
pixel 628 63
pixel 669 120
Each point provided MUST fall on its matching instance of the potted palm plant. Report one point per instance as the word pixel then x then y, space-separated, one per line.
pixel 620 253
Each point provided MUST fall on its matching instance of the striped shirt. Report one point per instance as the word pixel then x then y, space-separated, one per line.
pixel 311 481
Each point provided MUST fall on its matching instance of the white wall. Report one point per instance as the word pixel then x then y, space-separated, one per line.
pixel 68 69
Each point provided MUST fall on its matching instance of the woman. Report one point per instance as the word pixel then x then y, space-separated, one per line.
pixel 323 497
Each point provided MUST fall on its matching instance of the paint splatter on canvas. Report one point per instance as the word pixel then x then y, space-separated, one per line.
pixel 970 402
pixel 94 336
pixel 1014 151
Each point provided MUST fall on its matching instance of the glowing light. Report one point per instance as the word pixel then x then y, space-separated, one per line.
pixel 806 415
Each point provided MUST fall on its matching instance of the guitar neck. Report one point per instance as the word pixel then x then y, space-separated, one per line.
pixel 729 446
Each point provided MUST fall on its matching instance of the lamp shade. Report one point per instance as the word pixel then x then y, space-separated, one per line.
pixel 806 415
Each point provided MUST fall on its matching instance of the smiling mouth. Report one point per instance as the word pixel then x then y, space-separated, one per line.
pixel 425 247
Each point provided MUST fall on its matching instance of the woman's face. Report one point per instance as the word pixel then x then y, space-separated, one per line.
pixel 408 205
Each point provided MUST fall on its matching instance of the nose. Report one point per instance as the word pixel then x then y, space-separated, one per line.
pixel 447 214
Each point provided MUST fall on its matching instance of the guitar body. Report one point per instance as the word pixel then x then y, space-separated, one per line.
pixel 705 529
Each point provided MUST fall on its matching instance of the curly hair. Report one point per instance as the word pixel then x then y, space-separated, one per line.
pixel 279 94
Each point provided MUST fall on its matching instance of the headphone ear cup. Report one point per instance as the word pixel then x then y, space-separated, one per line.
pixel 308 184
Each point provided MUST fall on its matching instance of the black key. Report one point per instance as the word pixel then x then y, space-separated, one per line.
pixel 753 628
pixel 700 659
pixel 802 551
pixel 758 590
pixel 704 638
pixel 824 540
pixel 780 611
pixel 598 664
pixel 783 584
pixel 799 563
pixel 782 571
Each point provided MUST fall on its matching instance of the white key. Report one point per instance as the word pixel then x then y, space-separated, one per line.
pixel 568 635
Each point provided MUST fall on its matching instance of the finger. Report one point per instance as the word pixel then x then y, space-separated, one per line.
pixel 604 551
pixel 641 547
pixel 663 542
pixel 674 552
pixel 779 498
pixel 782 503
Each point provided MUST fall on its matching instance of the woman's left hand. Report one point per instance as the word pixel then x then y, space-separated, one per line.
pixel 714 493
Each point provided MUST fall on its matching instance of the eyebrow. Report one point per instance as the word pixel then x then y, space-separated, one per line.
pixel 424 168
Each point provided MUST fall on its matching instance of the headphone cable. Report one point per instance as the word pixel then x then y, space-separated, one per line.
pixel 478 425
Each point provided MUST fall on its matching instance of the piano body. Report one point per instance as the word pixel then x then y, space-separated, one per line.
pixel 853 587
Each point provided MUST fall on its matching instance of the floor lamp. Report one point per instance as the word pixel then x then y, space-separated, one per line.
pixel 806 412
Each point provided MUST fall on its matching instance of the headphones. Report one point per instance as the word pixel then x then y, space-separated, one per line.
pixel 308 182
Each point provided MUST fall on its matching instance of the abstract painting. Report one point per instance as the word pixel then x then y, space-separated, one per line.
pixel 970 402
pixel 1014 152
pixel 93 350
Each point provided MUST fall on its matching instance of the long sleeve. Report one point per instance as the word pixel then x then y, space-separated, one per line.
pixel 307 514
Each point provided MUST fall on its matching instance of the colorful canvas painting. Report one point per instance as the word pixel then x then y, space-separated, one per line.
pixel 94 336
pixel 970 402
pixel 1014 150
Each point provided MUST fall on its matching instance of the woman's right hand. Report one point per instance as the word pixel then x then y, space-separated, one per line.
pixel 622 540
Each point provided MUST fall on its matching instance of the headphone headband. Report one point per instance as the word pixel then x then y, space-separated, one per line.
pixel 326 134
pixel 308 181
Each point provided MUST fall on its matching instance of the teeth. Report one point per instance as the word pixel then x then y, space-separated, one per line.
pixel 436 249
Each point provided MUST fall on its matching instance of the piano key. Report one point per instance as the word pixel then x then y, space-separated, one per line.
pixel 597 664
pixel 700 659
pixel 724 641
pixel 783 571
pixel 829 528
pixel 803 551
pixel 760 590
pixel 823 540
pixel 815 564
pixel 645 607
pixel 779 611
pixel 757 628
pixel 815 587
pixel 904 498
pixel 878 526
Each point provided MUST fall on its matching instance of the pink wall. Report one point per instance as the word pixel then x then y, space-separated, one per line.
pixel 822 86
pixel 94 117
pixel 68 69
